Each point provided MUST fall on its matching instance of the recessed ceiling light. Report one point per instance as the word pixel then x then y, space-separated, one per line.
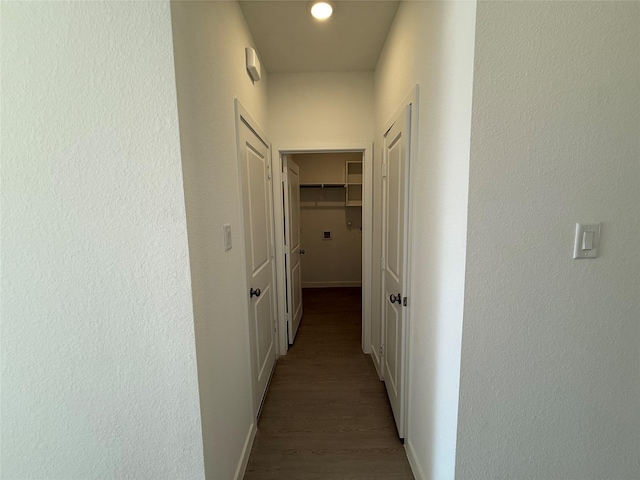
pixel 321 10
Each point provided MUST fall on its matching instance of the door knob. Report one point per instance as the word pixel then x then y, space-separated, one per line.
pixel 255 292
pixel 394 298
pixel 301 252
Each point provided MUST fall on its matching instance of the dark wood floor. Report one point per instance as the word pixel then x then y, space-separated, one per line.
pixel 326 415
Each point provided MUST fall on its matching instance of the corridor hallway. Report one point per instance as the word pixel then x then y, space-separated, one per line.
pixel 326 414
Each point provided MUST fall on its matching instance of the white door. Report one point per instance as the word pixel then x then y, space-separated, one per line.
pixel 395 218
pixel 291 187
pixel 255 167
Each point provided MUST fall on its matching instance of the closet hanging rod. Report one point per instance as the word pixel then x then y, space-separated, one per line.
pixel 323 185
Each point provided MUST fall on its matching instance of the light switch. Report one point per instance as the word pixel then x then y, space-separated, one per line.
pixel 227 236
pixel 587 240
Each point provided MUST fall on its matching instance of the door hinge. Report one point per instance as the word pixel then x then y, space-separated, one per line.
pixel 381 349
pixel 275 325
pixel 284 176
pixel 382 263
pixel 273 252
pixel 404 302
pixel 269 172
pixel 384 169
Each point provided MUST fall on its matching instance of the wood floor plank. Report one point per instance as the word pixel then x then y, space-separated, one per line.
pixel 326 415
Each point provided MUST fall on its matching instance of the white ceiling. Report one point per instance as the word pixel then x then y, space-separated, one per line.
pixel 289 39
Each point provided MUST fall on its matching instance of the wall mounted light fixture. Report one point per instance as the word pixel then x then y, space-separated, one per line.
pixel 253 64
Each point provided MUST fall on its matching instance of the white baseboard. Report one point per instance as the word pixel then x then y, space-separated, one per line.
pixel 376 361
pixel 330 284
pixel 413 461
pixel 246 452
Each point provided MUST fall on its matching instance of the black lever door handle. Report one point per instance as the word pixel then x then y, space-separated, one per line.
pixel 255 292
pixel 302 252
pixel 394 298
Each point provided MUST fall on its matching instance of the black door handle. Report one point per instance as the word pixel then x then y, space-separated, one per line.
pixel 302 252
pixel 394 298
pixel 255 292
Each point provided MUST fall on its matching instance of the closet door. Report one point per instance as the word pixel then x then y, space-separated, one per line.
pixel 395 217
pixel 293 249
pixel 254 159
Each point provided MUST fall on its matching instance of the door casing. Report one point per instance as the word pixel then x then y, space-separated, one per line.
pixel 366 148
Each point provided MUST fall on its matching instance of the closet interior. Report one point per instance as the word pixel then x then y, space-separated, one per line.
pixel 331 218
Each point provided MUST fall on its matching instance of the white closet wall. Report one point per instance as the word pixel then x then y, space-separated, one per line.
pixel 338 261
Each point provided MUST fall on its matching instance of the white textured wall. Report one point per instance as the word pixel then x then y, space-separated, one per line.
pixel 431 44
pixel 98 354
pixel 336 262
pixel 209 42
pixel 313 108
pixel 551 347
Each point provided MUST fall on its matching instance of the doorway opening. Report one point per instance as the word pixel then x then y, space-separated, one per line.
pixel 335 216
pixel 330 216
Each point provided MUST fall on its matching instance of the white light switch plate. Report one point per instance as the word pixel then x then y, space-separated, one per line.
pixel 587 234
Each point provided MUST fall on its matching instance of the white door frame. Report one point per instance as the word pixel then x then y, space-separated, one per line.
pixel 366 148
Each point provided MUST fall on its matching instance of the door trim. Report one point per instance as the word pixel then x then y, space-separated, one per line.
pixel 366 148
